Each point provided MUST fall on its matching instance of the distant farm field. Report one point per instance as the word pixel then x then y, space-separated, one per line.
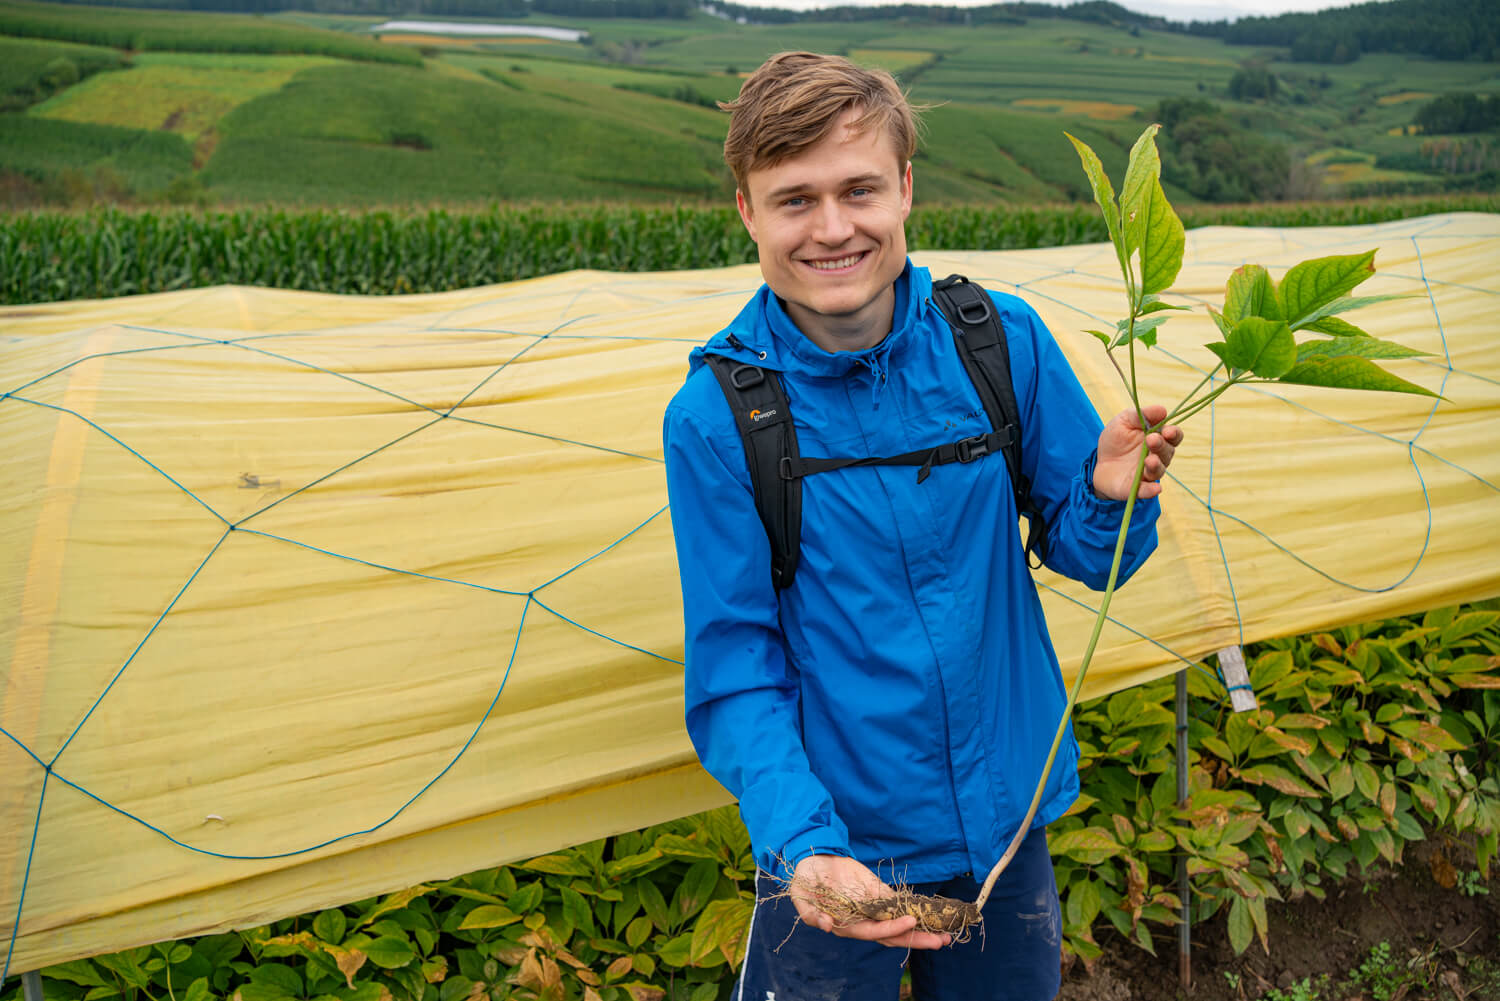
pixel 186 93
pixel 160 30
pixel 305 108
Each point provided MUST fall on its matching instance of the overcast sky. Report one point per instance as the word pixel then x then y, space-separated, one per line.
pixel 1177 10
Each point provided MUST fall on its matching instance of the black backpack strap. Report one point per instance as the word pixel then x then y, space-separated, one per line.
pixel 980 339
pixel 764 418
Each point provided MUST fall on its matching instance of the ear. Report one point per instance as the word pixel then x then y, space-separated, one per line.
pixel 746 215
pixel 906 191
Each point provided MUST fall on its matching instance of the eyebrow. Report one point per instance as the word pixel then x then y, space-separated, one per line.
pixel 868 180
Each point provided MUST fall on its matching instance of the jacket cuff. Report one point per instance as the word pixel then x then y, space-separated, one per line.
pixel 824 841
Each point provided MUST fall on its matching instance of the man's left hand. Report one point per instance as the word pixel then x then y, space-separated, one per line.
pixel 1120 450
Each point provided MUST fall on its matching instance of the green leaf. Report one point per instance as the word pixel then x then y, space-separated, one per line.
pixel 1151 304
pixel 681 847
pixel 1104 192
pixel 1145 331
pixel 675 951
pixel 1103 337
pixel 390 953
pixel 1250 293
pixel 1313 284
pixel 1343 305
pixel 1350 373
pixel 1143 167
pixel 254 991
pixel 654 904
pixel 577 910
pixel 329 926
pixel 1264 347
pixel 197 990
pixel 488 916
pixel 526 898
pixel 1089 845
pixel 1240 930
pixel 1220 321
pixel 279 976
pixel 637 931
pixel 1162 241
pixel 1355 347
pixel 694 890
pixel 1335 327
pixel 558 865
pixel 78 971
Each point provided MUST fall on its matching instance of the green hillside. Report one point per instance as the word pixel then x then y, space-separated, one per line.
pixel 301 108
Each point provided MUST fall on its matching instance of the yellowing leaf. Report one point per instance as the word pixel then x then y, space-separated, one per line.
pixel 1089 845
pixel 489 916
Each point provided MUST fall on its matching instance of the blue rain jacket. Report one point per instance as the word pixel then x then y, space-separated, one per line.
pixel 896 703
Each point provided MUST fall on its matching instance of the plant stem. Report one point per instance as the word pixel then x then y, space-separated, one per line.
pixel 1185 410
pixel 1083 667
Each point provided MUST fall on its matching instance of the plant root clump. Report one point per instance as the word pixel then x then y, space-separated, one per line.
pixel 941 915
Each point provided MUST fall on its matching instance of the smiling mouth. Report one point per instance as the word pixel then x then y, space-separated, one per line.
pixel 837 263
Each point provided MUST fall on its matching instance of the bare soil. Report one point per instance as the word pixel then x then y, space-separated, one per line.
pixel 1441 943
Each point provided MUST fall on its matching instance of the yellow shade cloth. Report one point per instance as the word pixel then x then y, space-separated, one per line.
pixel 305 598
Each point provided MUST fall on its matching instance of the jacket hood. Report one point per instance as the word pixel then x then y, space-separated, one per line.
pixel 764 335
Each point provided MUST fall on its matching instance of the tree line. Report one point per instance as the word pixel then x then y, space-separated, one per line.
pixel 1438 29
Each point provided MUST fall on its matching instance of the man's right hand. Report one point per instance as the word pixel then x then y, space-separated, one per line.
pixel 852 879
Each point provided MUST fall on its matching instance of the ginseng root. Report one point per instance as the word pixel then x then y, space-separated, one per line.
pixel 942 915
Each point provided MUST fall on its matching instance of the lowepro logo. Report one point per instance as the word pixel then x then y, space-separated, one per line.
pixel 760 415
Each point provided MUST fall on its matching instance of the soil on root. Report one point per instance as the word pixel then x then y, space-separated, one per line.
pixel 933 914
pixel 1440 944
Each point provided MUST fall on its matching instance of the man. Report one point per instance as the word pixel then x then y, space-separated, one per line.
pixel 892 708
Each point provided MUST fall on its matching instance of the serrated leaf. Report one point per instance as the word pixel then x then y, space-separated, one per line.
pixel 1355 347
pixel 1264 347
pixel 1163 241
pixel 1151 304
pixel 1143 167
pixel 78 971
pixel 1335 327
pixel 1313 284
pixel 1104 192
pixel 1145 331
pixel 1343 305
pixel 1350 373
pixel 1250 292
pixel 1220 321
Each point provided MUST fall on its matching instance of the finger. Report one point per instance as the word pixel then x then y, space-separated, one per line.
pixel 879 931
pixel 1154 413
pixel 918 940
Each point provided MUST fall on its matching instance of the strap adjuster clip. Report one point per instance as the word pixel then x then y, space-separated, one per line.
pixel 973 448
pixel 745 376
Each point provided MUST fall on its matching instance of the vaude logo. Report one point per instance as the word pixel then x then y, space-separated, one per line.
pixel 760 415
pixel 955 422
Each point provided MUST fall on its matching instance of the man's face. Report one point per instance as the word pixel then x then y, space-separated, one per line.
pixel 830 227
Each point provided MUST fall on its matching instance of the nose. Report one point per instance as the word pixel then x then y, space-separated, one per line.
pixel 833 225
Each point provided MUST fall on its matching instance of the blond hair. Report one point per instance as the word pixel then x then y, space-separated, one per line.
pixel 793 101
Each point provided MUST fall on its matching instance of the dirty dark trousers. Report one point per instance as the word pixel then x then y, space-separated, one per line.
pixel 1015 955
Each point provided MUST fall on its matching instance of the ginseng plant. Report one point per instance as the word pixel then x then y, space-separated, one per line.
pixel 1260 321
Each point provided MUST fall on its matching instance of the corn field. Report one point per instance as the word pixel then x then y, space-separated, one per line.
pixel 52 256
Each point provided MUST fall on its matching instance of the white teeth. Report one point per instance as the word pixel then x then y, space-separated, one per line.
pixel 842 262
